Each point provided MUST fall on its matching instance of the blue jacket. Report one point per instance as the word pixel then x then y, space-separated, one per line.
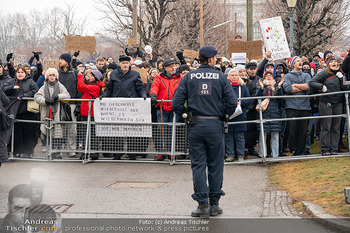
pixel 296 78
pixel 207 91
pixel 244 105
pixel 128 85
pixel 273 111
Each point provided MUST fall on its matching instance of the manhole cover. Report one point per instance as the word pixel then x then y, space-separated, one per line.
pixel 61 208
pixel 136 184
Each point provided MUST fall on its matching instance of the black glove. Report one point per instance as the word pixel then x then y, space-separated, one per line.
pixel 9 57
pixel 144 97
pixel 154 100
pixel 55 98
pixel 100 97
pixel 180 55
pixel 49 102
pixel 36 55
pixel 76 54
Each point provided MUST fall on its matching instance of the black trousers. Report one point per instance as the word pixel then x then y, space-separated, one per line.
pixel 297 130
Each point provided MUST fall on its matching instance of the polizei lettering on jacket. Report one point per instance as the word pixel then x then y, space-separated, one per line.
pixel 205 75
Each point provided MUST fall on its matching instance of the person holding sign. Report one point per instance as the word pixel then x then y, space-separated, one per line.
pixel 125 82
pixel 209 97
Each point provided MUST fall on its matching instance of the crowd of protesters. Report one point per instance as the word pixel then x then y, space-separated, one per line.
pixel 107 77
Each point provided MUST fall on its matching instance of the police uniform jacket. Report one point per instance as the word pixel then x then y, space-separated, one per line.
pixel 128 85
pixel 208 93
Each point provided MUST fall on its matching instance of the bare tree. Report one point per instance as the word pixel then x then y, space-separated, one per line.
pixel 318 25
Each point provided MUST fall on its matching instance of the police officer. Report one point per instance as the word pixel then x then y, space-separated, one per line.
pixel 209 97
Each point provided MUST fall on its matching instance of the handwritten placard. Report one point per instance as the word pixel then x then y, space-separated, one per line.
pixel 191 54
pixel 252 49
pixel 82 43
pixel 143 73
pixel 19 59
pixel 132 41
pixel 123 111
pixel 50 64
pixel 275 38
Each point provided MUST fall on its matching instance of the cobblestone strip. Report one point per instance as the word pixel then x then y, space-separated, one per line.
pixel 277 204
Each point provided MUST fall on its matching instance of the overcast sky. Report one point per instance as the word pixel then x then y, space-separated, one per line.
pixel 82 9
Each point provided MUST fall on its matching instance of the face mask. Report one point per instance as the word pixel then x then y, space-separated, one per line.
pixel 316 61
pixel 308 71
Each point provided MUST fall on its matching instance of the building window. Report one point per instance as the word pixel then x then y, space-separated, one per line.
pixel 256 14
pixel 239 14
pixel 239 28
pixel 256 31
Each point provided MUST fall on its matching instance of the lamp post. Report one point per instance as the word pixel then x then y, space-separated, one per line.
pixel 291 4
pixel 216 26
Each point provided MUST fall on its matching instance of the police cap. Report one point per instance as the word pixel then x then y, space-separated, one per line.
pixel 168 62
pixel 207 51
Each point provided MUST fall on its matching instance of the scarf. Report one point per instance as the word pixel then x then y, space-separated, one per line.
pixel 270 87
pixel 47 95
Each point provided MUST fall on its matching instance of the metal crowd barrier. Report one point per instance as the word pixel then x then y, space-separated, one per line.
pixel 169 139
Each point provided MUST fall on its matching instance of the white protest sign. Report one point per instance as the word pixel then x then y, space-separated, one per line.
pixel 239 58
pixel 123 111
pixel 275 38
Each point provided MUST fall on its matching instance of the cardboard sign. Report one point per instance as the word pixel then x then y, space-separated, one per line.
pixel 239 58
pixel 252 49
pixel 275 38
pixel 123 111
pixel 19 59
pixel 82 43
pixel 191 54
pixel 143 73
pixel 132 41
pixel 50 64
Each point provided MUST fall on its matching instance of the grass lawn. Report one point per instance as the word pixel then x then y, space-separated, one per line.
pixel 321 181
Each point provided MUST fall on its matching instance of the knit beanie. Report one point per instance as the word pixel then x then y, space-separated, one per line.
pixel 329 59
pixel 67 57
pixel 97 74
pixel 51 71
pixel 292 61
pixel 240 67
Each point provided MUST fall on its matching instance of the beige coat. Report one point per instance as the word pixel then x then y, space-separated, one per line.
pixel 39 97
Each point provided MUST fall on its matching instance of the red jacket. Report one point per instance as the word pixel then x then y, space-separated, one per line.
pixel 164 88
pixel 88 90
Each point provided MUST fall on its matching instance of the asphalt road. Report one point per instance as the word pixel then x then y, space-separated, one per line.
pixel 138 190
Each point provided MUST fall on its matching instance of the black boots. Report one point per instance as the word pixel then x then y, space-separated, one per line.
pixel 214 208
pixel 202 211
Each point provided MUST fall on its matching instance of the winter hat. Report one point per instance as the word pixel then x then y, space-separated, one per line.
pixel 124 58
pixel 168 62
pixel 184 67
pixel 343 54
pixel 240 67
pixel 306 63
pixel 51 71
pixel 137 62
pixel 292 61
pixel 251 65
pixel 339 58
pixel 112 66
pixel 325 53
pixel 79 63
pixel 268 72
pixel 227 71
pixel 97 74
pixel 329 59
pixel 313 66
pixel 67 57
pixel 26 65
